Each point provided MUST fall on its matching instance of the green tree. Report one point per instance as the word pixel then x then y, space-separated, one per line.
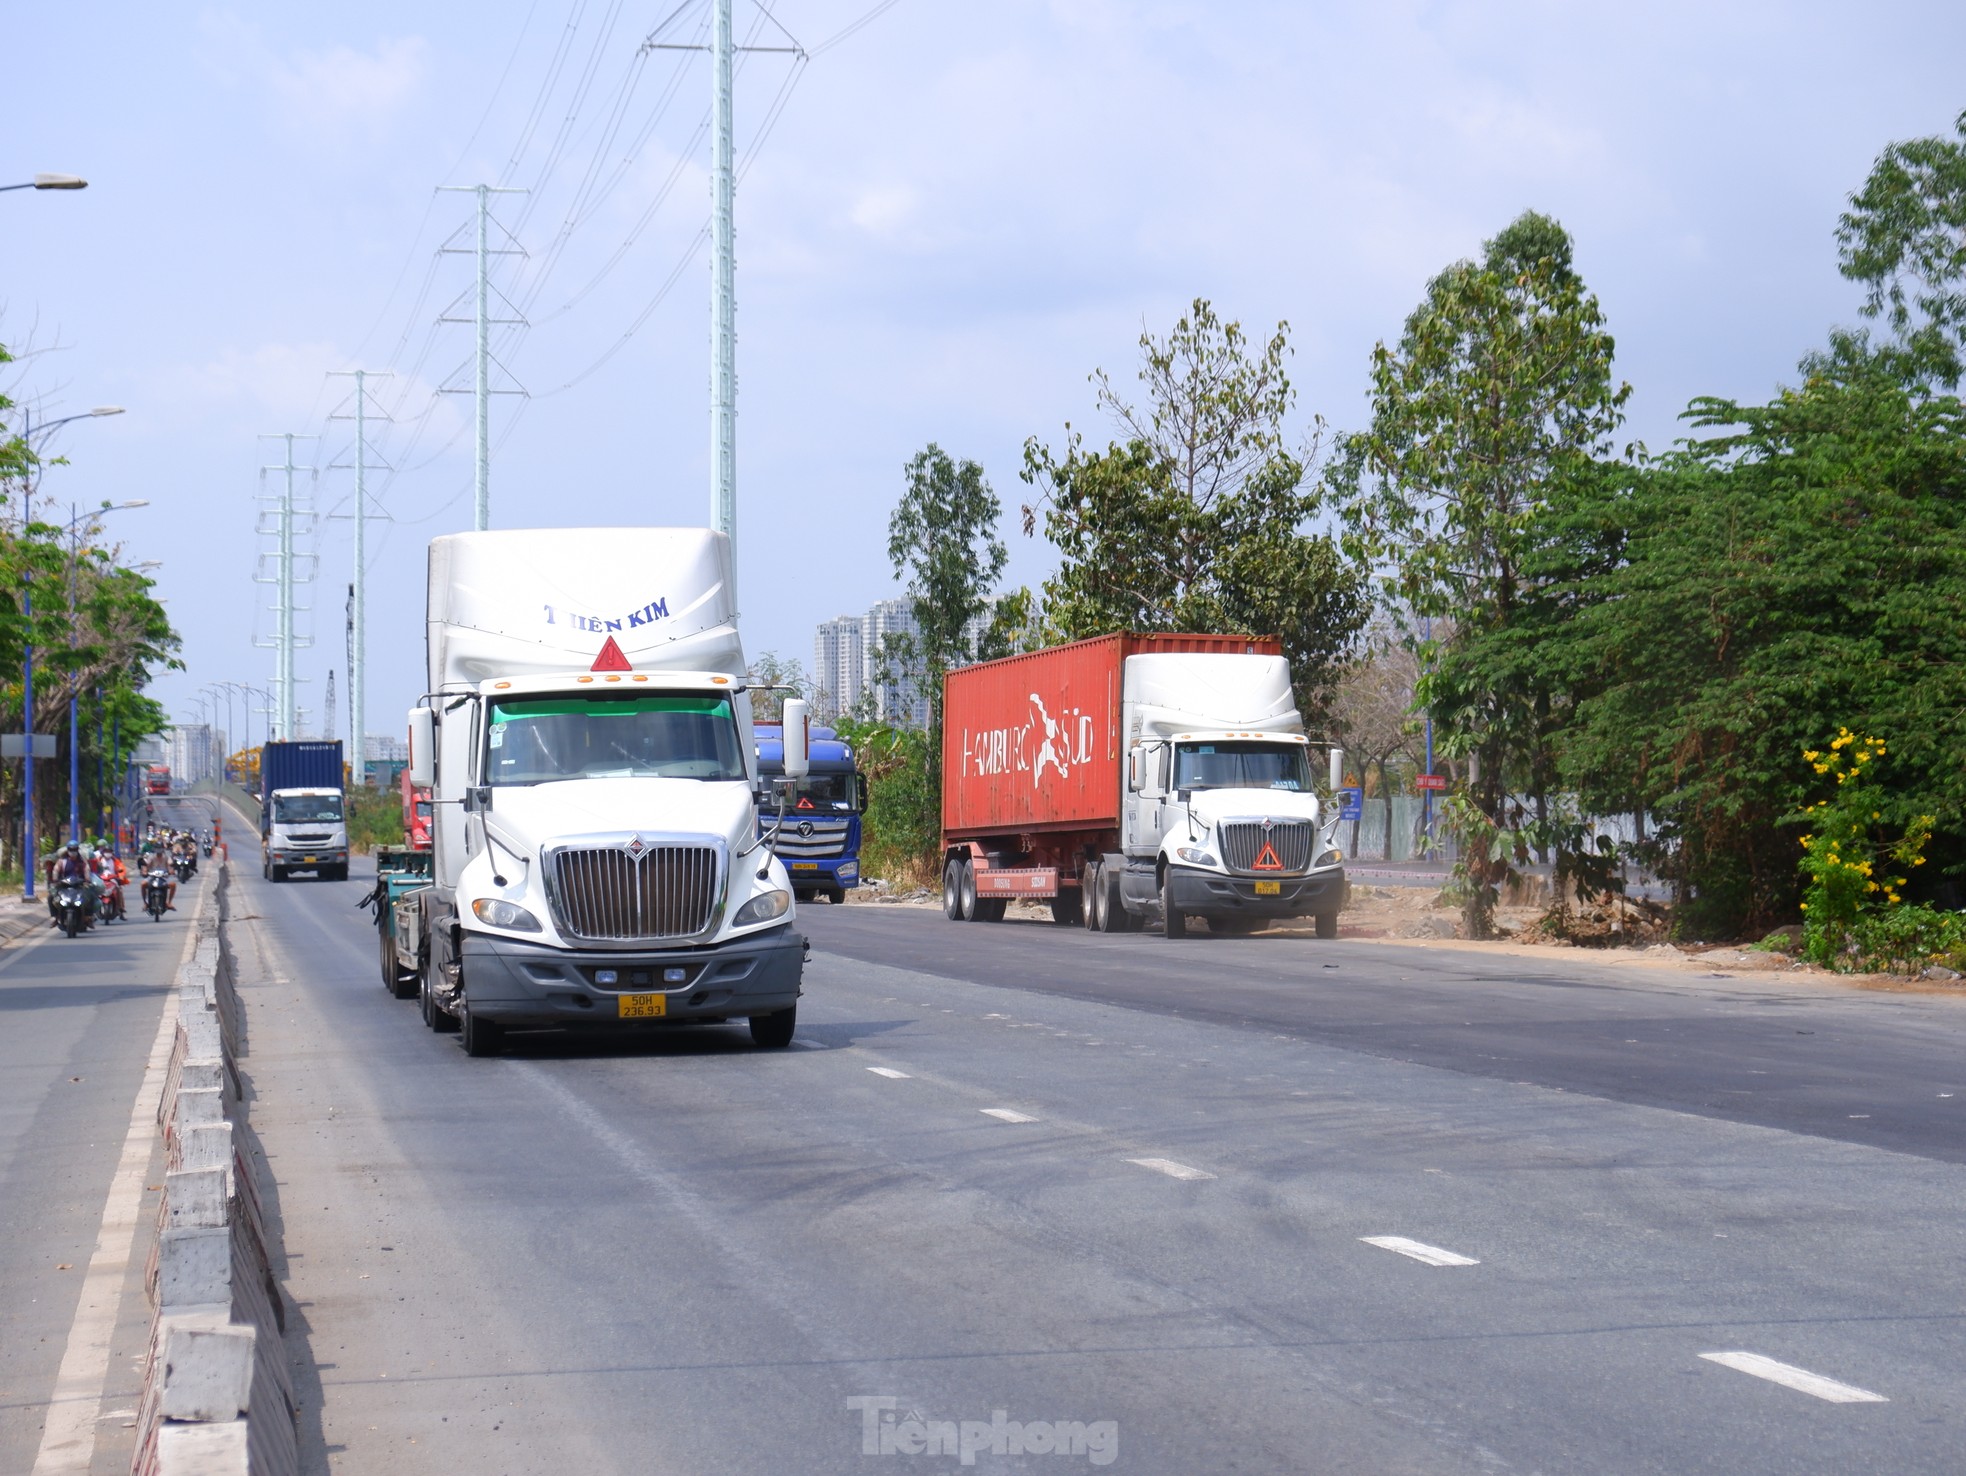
pixel 1197 518
pixel 942 539
pixel 1497 398
pixel 1904 238
pixel 769 671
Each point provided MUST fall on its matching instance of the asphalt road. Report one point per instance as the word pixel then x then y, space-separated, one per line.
pixel 77 1021
pixel 1129 1195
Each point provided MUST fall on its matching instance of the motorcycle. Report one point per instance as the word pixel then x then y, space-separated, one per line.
pixel 72 909
pixel 185 866
pixel 112 909
pixel 156 893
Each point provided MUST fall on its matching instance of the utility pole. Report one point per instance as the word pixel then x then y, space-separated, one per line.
pixel 287 515
pixel 357 590
pixel 327 708
pixel 481 501
pixel 723 289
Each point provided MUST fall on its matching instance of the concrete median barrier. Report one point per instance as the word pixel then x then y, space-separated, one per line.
pixel 218 1396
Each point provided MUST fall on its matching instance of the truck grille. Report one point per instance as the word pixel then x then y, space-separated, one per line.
pixel 1291 840
pixel 827 838
pixel 612 894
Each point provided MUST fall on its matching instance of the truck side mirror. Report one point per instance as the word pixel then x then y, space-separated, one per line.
pixel 797 728
pixel 1337 769
pixel 423 747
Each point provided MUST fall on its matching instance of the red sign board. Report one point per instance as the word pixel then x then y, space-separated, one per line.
pixel 1430 781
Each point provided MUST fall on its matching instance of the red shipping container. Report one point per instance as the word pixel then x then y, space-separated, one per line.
pixel 1033 743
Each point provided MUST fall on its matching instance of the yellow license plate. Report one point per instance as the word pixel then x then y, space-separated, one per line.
pixel 307 860
pixel 805 866
pixel 1269 889
pixel 641 1006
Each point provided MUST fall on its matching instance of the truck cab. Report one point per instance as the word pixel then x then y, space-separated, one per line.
pixel 305 830
pixel 819 839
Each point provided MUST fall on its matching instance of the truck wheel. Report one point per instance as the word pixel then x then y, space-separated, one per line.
pixel 1174 920
pixel 1327 924
pixel 388 960
pixel 1066 909
pixel 952 890
pixel 836 896
pixel 990 909
pixel 438 1019
pixel 480 1037
pixel 773 1032
pixel 966 891
pixel 1113 916
pixel 1091 890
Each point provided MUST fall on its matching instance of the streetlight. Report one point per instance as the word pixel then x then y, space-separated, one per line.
pixel 50 182
pixel 75 523
pixel 28 858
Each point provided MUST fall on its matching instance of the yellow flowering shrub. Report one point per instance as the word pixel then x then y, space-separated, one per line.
pixel 1854 873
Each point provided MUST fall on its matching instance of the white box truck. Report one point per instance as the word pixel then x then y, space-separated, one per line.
pixel 587 741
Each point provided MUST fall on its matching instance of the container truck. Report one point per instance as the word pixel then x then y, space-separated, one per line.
pixel 416 814
pixel 587 741
pixel 819 841
pixel 303 825
pixel 1131 778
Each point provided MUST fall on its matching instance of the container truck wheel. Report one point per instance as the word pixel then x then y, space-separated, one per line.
pixel 1090 889
pixel 991 909
pixel 1173 918
pixel 952 890
pixel 1066 909
pixel 1327 924
pixel 435 1016
pixel 773 1032
pixel 966 890
pixel 389 979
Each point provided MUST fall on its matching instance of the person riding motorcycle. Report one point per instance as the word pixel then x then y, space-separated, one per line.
pixel 69 869
pixel 104 868
pixel 155 858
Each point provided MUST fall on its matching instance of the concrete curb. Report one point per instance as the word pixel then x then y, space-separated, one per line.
pixel 218 1396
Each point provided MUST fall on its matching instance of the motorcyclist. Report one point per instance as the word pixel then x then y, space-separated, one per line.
pixel 70 869
pixel 103 867
pixel 154 858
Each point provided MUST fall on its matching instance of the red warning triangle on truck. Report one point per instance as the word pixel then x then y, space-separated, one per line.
pixel 1267 859
pixel 610 658
pixel 804 803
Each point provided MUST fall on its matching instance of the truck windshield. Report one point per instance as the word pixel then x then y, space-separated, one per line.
pixel 669 735
pixel 305 809
pixel 832 794
pixel 1241 766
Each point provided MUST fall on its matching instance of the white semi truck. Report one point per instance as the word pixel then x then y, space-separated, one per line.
pixel 586 737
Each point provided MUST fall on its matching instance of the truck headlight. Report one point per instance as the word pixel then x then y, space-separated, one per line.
pixel 1331 857
pixel 494 913
pixel 762 909
pixel 1195 856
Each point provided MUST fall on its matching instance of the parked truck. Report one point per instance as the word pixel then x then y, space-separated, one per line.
pixel 303 823
pixel 587 742
pixel 819 841
pixel 1134 778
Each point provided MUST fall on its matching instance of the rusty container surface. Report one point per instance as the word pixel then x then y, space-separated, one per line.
pixel 1034 743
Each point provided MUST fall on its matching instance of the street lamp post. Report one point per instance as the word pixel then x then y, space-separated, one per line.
pixel 29 860
pixel 49 182
pixel 75 523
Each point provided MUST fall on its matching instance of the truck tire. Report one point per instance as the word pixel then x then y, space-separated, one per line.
pixel 1091 895
pixel 836 896
pixel 1113 916
pixel 952 890
pixel 438 1019
pixel 1067 909
pixel 773 1032
pixel 991 909
pixel 1327 924
pixel 966 890
pixel 388 950
pixel 1172 918
pixel 479 1037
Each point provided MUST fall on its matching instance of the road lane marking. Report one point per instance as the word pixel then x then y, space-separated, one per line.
pixel 890 1073
pixel 1800 1379
pixel 1431 1255
pixel 1172 1169
pixel 1007 1114
pixel 68 1435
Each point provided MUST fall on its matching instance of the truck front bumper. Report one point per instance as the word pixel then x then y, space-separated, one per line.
pixel 824 873
pixel 513 983
pixel 300 858
pixel 1211 894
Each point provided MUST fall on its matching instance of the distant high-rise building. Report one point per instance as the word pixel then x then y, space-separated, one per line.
pixel 194 751
pixel 838 666
pixel 893 672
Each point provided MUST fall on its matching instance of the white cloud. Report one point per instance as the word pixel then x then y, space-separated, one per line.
pixel 342 86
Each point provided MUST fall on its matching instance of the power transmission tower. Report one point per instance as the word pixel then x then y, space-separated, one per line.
pixel 481 502
pixel 327 708
pixel 357 634
pixel 723 259
pixel 291 515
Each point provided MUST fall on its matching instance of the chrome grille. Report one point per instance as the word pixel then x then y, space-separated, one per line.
pixel 828 838
pixel 1242 844
pixel 610 894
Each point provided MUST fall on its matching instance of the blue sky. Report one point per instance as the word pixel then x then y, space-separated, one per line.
pixel 961 212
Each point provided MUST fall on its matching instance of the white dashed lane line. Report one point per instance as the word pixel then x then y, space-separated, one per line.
pixel 1172 1169
pixel 890 1073
pixel 1006 1114
pixel 1791 1377
pixel 1431 1255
